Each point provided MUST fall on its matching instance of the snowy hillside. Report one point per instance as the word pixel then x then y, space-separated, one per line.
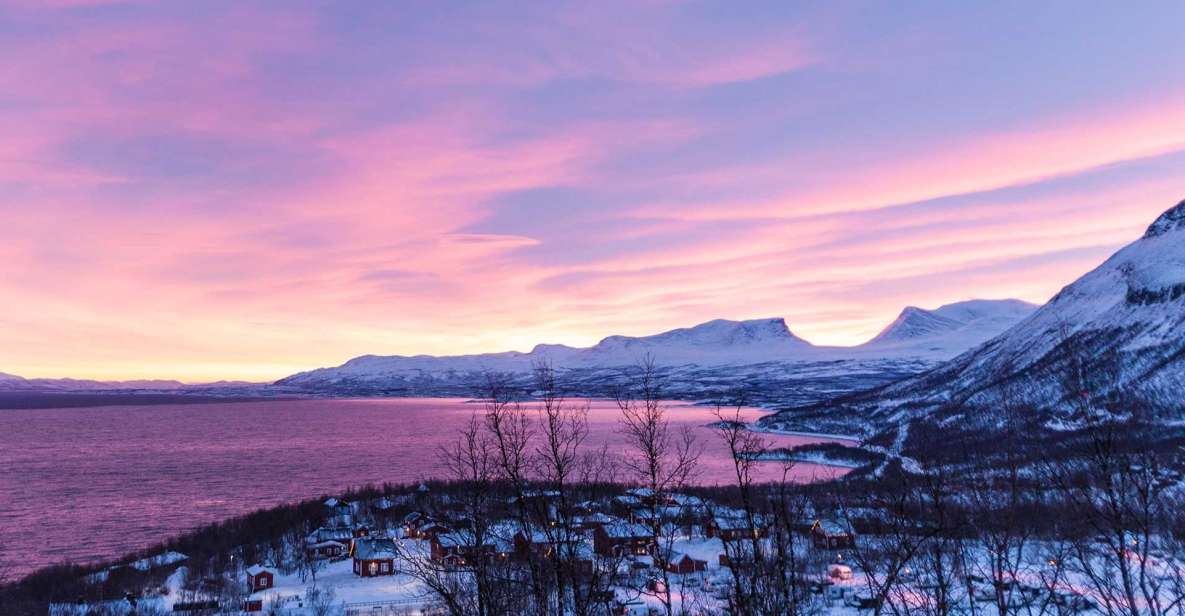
pixel 1121 327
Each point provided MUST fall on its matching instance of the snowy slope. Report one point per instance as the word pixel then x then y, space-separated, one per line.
pixel 1123 323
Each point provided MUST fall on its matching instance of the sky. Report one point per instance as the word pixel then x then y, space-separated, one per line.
pixel 242 190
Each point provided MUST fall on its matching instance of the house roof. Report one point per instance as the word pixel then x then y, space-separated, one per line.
pixel 830 527
pixel 333 533
pixel 673 556
pixel 625 530
pixel 255 570
pixel 462 538
pixel 375 549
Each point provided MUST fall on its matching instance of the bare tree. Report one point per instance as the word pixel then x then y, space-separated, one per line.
pixel 479 587
pixel 305 560
pixel 661 460
pixel 321 600
pixel 885 555
pixel 746 553
pixel 510 433
pixel 1118 492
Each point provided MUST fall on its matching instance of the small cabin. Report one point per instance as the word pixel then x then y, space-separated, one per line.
pixel 340 534
pixel 623 538
pixel 327 549
pixel 417 525
pixel 592 521
pixel 259 579
pixel 679 563
pixel 374 557
pixel 839 573
pixel 827 534
pixel 461 548
pixel 733 527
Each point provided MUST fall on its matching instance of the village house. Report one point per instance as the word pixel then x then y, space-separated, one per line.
pixel 461 548
pixel 340 534
pixel 828 534
pixel 592 521
pixel 732 526
pixel 680 563
pixel 374 557
pixel 538 544
pixel 623 538
pixel 327 549
pixel 259 579
pixel 417 525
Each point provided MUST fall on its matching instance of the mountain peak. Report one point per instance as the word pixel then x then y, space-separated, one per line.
pixel 981 318
pixel 913 323
pixel 718 332
pixel 1171 220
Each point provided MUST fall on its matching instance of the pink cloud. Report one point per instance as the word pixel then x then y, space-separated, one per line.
pixel 247 193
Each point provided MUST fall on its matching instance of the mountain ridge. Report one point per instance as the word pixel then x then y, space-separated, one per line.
pixel 716 343
pixel 1110 340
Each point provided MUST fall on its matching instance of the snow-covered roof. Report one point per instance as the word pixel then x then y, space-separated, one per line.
pixel 626 530
pixel 375 549
pixel 830 527
pixel 462 538
pixel 597 518
pixel 255 570
pixel 335 533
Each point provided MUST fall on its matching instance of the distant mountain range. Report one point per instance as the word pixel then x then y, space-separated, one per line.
pixel 918 337
pixel 762 355
pixel 1113 339
pixel 12 382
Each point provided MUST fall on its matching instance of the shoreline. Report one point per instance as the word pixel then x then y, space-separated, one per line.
pixel 839 437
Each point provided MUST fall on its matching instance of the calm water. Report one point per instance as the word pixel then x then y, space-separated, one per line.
pixel 94 483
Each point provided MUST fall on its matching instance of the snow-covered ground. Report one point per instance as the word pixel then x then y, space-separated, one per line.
pixel 348 588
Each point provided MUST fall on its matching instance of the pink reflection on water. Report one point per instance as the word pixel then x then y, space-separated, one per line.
pixel 90 483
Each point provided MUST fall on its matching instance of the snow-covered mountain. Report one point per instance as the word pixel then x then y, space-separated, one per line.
pixel 12 382
pixel 1115 336
pixel 953 327
pixel 758 350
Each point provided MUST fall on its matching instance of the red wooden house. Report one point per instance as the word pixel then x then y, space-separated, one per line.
pixel 374 557
pixel 461 548
pixel 259 579
pixel 327 549
pixel 677 562
pixel 623 538
pixel 831 535
pixel 733 527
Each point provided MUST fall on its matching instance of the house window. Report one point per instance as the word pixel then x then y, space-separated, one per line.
pixel 262 582
pixel 386 567
pixel 374 568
